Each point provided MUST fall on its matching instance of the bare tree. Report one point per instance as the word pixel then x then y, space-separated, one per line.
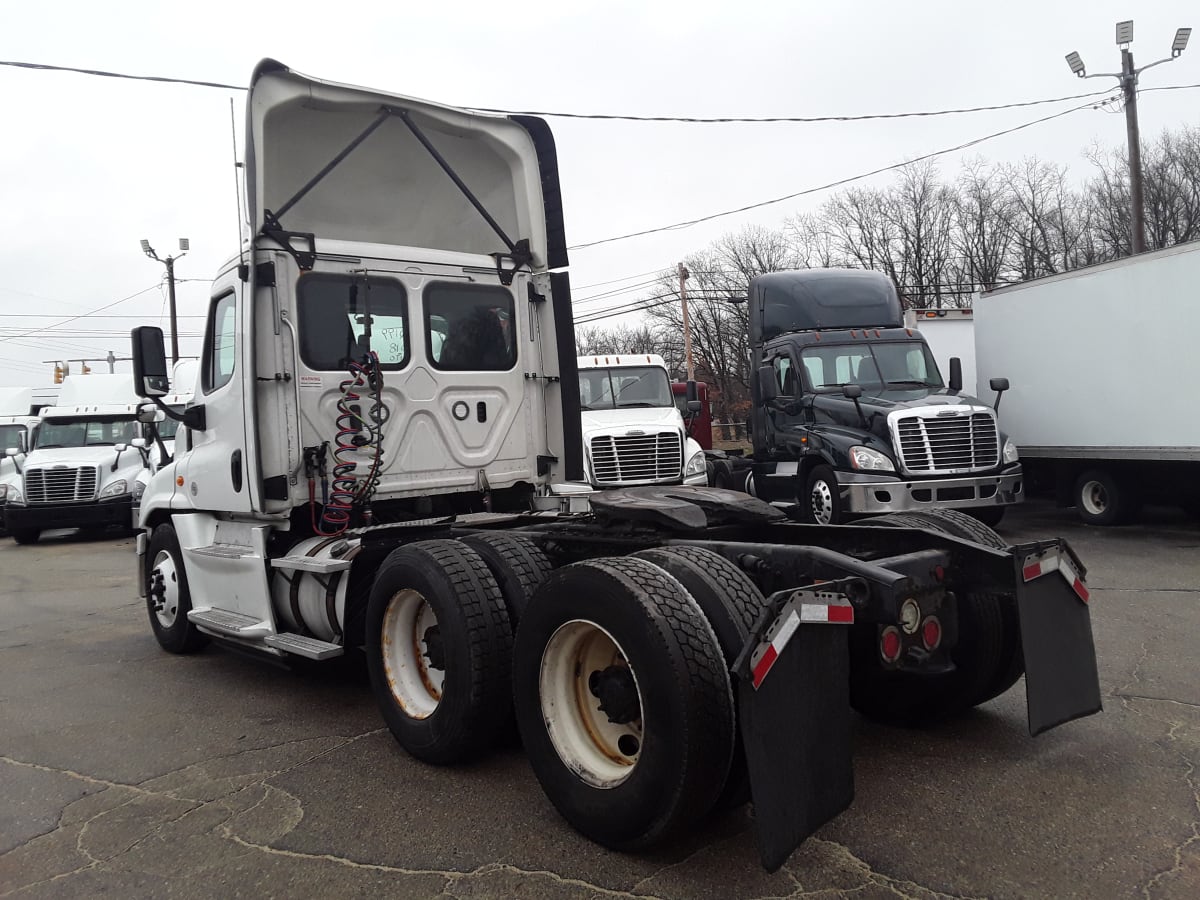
pixel 983 238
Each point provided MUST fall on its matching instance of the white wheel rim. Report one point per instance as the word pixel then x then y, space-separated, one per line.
pixel 601 752
pixel 1094 498
pixel 821 500
pixel 416 684
pixel 164 571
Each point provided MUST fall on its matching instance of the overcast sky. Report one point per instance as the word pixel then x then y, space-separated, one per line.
pixel 89 166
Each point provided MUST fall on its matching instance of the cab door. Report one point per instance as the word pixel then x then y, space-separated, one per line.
pixel 216 472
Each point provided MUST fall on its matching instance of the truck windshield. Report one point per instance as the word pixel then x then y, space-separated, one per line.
pixel 168 428
pixel 93 432
pixel 9 436
pixel 881 366
pixel 625 387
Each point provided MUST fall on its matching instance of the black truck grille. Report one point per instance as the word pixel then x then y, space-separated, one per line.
pixel 933 445
pixel 60 485
pixel 621 459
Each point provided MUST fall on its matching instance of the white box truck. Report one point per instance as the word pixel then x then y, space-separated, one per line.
pixel 1102 363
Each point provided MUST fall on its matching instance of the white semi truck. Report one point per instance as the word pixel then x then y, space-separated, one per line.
pixel 388 404
pixel 83 466
pixel 633 432
pixel 17 427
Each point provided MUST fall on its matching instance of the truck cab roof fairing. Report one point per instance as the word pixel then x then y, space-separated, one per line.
pixel 810 299
pixel 390 189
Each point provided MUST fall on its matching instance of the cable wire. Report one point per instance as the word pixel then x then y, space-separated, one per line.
pixel 833 184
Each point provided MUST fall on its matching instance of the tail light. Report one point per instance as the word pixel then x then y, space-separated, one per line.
pixel 890 644
pixel 931 633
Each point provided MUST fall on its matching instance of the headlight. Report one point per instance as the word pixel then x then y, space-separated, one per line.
pixel 10 493
pixel 1010 451
pixel 866 458
pixel 120 486
pixel 139 488
pixel 3 493
pixel 696 465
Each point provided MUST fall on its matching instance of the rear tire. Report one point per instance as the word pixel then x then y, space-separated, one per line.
pixel 168 597
pixel 631 752
pixel 732 603
pixel 518 565
pixel 439 651
pixel 822 500
pixel 1103 499
pixel 26 535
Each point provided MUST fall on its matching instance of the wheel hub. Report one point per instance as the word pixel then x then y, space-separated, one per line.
pixel 822 502
pixel 414 654
pixel 163 589
pixel 617 693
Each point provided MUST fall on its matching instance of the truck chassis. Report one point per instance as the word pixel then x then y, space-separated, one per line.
pixel 675 650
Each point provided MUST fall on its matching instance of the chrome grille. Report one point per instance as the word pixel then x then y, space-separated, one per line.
pixel 61 485
pixel 634 458
pixel 947 445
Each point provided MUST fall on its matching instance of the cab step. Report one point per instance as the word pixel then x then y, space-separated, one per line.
pixel 223 551
pixel 300 645
pixel 222 621
pixel 313 564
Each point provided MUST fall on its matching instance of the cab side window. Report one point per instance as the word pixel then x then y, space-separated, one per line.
pixel 469 328
pixel 219 355
pixel 785 377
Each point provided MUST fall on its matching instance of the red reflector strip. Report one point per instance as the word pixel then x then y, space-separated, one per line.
pixel 1068 572
pixel 764 665
pixel 1036 567
pixel 819 612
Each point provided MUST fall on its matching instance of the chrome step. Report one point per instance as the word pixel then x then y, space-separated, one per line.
pixel 222 621
pixel 223 551
pixel 309 647
pixel 319 565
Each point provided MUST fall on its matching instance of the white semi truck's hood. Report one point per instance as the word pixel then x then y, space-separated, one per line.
pixel 131 460
pixel 621 421
pixel 390 189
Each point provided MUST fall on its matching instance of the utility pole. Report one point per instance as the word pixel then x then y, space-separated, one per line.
pixel 169 262
pixel 684 274
pixel 1128 79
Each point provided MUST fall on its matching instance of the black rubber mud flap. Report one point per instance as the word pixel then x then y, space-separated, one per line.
pixel 793 680
pixel 1061 679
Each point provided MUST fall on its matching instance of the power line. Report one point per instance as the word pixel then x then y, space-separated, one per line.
pixel 833 184
pixel 86 314
pixel 755 120
pixel 624 117
pixel 584 287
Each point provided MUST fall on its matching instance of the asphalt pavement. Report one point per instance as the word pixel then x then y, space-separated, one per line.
pixel 128 772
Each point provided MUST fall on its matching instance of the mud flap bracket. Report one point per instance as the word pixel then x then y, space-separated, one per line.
pixel 793 680
pixel 1061 679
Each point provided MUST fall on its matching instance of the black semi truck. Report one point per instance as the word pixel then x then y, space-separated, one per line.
pixel 851 415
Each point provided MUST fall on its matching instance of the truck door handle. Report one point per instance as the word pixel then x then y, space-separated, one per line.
pixel 235 470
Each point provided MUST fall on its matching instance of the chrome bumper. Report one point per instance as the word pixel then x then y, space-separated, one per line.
pixel 863 493
pixel 143 540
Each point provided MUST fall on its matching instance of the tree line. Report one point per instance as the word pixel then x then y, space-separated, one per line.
pixel 939 239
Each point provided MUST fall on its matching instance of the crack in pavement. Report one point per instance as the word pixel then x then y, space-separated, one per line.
pixel 1189 776
pixel 887 882
pixel 1157 699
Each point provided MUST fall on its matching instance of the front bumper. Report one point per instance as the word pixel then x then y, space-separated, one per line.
pixel 863 493
pixel 109 511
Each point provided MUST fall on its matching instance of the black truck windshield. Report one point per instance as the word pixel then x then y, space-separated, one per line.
pixel 628 386
pixel 878 366
pixel 97 432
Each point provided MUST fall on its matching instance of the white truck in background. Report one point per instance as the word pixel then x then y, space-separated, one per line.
pixel 633 432
pixel 1103 369
pixel 950 334
pixel 83 466
pixel 17 426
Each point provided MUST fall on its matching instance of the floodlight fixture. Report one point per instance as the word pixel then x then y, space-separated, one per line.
pixel 148 250
pixel 1180 42
pixel 183 244
pixel 1125 33
pixel 1076 64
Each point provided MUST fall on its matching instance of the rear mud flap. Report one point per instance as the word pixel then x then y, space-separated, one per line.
pixel 793 682
pixel 1061 679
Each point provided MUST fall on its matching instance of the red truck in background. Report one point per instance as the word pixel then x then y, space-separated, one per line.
pixel 726 469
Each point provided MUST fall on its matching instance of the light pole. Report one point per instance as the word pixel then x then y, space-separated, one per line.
pixel 169 262
pixel 684 275
pixel 1128 78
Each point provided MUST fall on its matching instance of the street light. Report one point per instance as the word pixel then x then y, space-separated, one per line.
pixel 169 262
pixel 1128 79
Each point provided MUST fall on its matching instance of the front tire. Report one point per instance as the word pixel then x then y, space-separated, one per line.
pixel 822 499
pixel 623 701
pixel 26 535
pixel 988 515
pixel 439 651
pixel 168 598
